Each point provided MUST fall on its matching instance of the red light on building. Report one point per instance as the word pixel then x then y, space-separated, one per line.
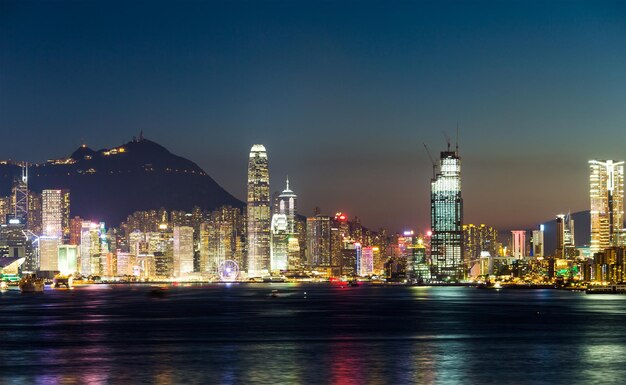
pixel 429 233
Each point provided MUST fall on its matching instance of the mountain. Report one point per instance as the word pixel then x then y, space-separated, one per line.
pixel 110 184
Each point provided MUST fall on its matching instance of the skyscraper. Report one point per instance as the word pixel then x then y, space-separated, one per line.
pixel 565 241
pixel 318 238
pixel 280 242
pixel 287 205
pixel 519 244
pixel 183 250
pixel 55 214
pixel 285 250
pixel 259 215
pixel 446 218
pixel 606 182
pixel 20 196
pixel 537 249
pixel 89 248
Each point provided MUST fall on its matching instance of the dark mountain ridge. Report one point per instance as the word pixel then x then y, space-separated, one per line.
pixel 110 184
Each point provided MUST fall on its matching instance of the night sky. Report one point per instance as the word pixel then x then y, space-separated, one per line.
pixel 341 94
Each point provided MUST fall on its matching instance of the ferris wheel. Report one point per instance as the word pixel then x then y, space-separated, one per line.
pixel 229 270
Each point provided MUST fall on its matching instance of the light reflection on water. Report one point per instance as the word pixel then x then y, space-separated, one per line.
pixel 230 334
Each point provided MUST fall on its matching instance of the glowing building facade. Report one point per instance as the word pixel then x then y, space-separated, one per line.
pixel 280 241
pixel 55 213
pixel 537 243
pixel 285 250
pixel 183 250
pixel 365 261
pixel 222 239
pixel 518 244
pixel 446 218
pixel 89 248
pixel 318 237
pixel 48 254
pixel 259 213
pixel 287 205
pixel 68 258
pixel 20 196
pixel 565 241
pixel 606 192
pixel 478 239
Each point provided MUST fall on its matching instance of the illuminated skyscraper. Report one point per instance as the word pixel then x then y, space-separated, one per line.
pixel 287 205
pixel 285 250
pixel 183 250
pixel 20 196
pixel 89 248
pixel 606 182
pixel 365 261
pixel 518 249
pixel 55 213
pixel 446 218
pixel 33 222
pixel 280 241
pixel 565 242
pixel 259 216
pixel 537 249
pixel 318 238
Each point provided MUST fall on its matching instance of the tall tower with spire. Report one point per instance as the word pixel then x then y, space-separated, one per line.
pixel 20 196
pixel 259 212
pixel 285 249
pixel 287 204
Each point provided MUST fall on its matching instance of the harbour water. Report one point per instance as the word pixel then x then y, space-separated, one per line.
pixel 311 333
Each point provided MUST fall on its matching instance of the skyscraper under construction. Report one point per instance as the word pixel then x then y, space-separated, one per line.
pixel 446 218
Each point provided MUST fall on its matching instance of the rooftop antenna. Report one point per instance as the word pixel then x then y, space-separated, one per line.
pixel 287 182
pixel 457 138
pixel 431 160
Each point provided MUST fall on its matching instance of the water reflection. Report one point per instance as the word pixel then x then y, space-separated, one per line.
pixel 237 334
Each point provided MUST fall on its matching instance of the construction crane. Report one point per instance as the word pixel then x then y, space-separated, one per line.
pixel 432 160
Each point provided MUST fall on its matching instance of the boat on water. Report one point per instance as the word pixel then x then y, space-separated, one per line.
pixel 273 279
pixel 606 289
pixel 4 285
pixel 30 283
pixel 62 280
pixel 353 283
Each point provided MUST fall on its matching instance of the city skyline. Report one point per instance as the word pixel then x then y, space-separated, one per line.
pixel 312 191
pixel 398 227
pixel 342 95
